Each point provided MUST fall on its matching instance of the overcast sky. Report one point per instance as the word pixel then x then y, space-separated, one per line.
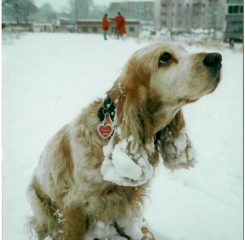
pixel 58 4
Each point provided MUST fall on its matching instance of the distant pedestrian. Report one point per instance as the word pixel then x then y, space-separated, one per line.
pixel 231 43
pixel 105 26
pixel 120 25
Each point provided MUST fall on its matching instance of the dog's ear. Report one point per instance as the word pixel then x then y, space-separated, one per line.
pixel 175 146
pixel 134 117
pixel 130 153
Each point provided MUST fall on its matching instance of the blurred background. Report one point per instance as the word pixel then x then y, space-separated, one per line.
pixel 188 20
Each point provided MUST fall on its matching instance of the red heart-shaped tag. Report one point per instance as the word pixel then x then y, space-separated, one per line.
pixel 105 131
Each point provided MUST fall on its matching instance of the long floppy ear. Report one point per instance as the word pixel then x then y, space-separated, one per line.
pixel 175 146
pixel 130 153
pixel 135 121
pixel 131 93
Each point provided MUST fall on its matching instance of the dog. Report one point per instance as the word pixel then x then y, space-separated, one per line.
pixel 93 175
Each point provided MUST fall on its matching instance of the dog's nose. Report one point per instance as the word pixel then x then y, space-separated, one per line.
pixel 213 60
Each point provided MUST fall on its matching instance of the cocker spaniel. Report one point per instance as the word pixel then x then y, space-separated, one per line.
pixel 93 175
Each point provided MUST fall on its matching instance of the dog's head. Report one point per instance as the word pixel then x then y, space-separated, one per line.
pixel 158 80
pixel 172 73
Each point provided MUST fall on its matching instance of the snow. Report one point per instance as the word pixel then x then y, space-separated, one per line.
pixel 123 167
pixel 48 238
pixel 48 78
pixel 178 150
pixel 103 231
pixel 108 232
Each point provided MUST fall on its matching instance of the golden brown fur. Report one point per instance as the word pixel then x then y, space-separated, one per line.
pixel 68 193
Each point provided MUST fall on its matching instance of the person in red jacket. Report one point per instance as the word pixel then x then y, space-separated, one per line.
pixel 105 26
pixel 120 24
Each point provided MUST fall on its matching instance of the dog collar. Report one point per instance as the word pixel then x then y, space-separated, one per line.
pixel 106 114
pixel 107 108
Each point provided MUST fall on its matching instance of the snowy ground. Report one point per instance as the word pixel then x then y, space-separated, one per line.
pixel 48 78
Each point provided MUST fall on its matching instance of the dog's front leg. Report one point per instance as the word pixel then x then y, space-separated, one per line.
pixel 74 223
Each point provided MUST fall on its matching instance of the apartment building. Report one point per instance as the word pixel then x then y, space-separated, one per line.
pixel 183 15
pixel 142 10
pixel 234 20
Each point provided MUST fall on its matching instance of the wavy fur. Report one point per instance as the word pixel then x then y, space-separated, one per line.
pixel 68 193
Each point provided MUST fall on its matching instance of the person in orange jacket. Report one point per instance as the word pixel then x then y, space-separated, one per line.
pixel 105 26
pixel 120 24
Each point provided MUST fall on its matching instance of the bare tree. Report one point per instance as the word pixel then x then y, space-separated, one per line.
pixel 45 13
pixel 18 10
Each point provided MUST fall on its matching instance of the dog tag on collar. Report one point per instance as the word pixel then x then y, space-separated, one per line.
pixel 105 129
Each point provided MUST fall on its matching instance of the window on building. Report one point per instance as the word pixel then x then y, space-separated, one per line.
pixel 94 29
pixel 234 27
pixel 85 29
pixel 234 9
pixel 132 6
pixel 234 1
pixel 131 29
pixel 164 23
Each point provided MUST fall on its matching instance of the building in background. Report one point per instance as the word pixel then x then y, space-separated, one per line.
pixel 234 20
pixel 142 10
pixel 183 15
pixel 79 9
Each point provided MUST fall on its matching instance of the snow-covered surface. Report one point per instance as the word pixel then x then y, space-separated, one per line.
pixel 48 78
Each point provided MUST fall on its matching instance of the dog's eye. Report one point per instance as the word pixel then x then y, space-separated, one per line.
pixel 166 57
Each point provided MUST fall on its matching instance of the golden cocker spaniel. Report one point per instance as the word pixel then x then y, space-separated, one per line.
pixel 93 174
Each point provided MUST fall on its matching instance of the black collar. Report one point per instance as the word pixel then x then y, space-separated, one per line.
pixel 107 107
